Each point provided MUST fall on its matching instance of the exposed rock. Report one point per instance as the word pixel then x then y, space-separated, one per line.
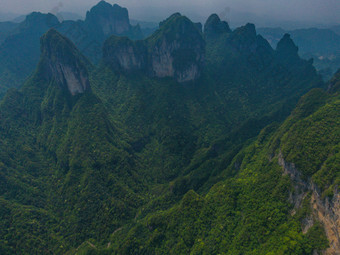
pixel 300 187
pixel 325 210
pixel 328 213
pixel 122 54
pixel 61 62
pixel 175 50
pixel 214 27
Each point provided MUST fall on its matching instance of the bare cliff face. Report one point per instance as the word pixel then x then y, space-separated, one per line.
pixel 175 50
pixel 325 210
pixel 122 54
pixel 63 64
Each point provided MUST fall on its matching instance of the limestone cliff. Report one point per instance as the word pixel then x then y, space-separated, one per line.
pixel 177 49
pixel 325 210
pixel 122 54
pixel 62 63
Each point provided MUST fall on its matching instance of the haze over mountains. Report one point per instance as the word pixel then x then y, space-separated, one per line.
pixel 196 139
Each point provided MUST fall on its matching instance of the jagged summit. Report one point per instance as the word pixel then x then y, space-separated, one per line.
pixel 175 50
pixel 38 20
pixel 245 33
pixel 61 62
pixel 214 26
pixel 287 46
pixel 109 19
pixel 287 50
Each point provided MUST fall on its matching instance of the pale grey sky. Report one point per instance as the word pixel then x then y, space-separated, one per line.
pixel 304 11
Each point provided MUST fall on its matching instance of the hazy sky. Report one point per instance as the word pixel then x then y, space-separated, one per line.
pixel 306 11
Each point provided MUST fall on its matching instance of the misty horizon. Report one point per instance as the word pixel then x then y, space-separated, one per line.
pixel 263 13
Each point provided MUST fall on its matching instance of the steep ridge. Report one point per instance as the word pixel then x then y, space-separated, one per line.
pixel 175 50
pixel 62 63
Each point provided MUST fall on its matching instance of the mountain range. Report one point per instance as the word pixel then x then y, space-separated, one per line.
pixel 194 140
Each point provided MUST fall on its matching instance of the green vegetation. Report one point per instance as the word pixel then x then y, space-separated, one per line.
pixel 139 165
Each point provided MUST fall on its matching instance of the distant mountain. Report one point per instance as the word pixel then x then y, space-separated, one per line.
pixel 18 60
pixel 323 45
pixel 336 29
pixel 19 52
pixel 147 27
pixel 69 16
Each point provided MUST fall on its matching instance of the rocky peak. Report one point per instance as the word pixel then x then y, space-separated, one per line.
pixel 177 49
pixel 287 45
pixel 215 27
pixel 62 63
pixel 109 19
pixel 120 53
pixel 287 50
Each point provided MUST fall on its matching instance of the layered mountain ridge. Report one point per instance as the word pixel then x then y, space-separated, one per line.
pixel 19 52
pixel 175 50
pixel 128 157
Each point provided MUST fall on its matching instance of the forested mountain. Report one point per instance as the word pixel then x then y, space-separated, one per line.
pixel 323 45
pixel 19 43
pixel 201 141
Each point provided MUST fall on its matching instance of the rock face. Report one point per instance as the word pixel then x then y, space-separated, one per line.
pixel 214 27
pixel 326 210
pixel 122 54
pixel 175 50
pixel 62 63
pixel 109 19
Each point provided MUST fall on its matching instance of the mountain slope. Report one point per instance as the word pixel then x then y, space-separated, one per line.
pixel 283 200
pixel 90 155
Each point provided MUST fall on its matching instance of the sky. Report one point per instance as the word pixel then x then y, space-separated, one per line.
pixel 265 12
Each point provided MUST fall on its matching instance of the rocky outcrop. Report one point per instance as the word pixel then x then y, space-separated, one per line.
pixel 287 51
pixel 63 64
pixel 120 53
pixel 109 19
pixel 175 50
pixel 325 210
pixel 214 27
